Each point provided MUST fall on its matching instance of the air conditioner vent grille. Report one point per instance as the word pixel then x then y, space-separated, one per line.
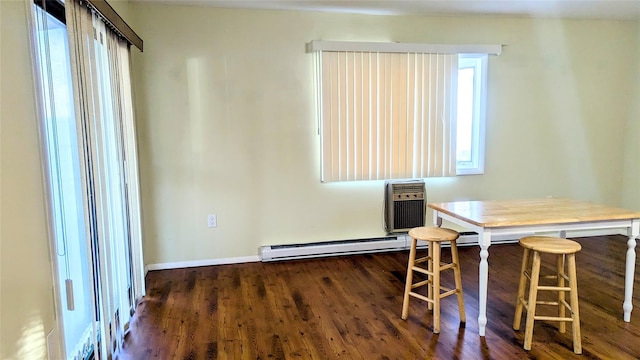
pixel 408 188
pixel 408 214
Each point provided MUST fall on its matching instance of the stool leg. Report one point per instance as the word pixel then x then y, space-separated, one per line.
pixel 561 296
pixel 458 280
pixel 575 313
pixel 409 281
pixel 533 297
pixel 436 286
pixel 430 275
pixel 521 287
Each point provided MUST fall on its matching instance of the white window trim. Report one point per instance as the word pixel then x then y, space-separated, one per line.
pixel 320 45
pixel 476 165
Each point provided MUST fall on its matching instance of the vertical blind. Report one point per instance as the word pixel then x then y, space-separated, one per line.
pixel 387 115
pixel 102 95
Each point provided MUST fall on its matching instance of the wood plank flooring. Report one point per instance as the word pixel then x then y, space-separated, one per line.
pixel 349 308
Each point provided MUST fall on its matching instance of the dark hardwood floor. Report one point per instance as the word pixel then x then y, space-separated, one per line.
pixel 349 308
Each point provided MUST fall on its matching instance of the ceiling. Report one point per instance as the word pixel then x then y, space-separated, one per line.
pixel 585 9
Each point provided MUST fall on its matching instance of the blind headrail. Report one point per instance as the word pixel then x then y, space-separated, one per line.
pixel 102 7
pixel 394 47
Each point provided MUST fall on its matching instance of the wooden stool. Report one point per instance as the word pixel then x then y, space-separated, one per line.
pixel 434 235
pixel 562 248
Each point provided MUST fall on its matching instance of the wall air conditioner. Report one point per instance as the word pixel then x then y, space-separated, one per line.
pixel 404 205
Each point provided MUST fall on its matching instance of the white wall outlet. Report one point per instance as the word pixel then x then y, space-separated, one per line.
pixel 212 220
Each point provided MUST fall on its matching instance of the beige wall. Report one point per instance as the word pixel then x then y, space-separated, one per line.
pixel 123 9
pixel 26 290
pixel 631 188
pixel 227 124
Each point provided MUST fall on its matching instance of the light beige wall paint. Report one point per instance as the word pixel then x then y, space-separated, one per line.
pixel 227 123
pixel 631 188
pixel 123 9
pixel 26 290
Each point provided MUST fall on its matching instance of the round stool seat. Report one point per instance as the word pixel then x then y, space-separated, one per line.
pixel 435 234
pixel 551 245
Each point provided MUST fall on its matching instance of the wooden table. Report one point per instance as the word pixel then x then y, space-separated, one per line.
pixel 512 217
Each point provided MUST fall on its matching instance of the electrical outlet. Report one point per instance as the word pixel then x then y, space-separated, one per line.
pixel 212 220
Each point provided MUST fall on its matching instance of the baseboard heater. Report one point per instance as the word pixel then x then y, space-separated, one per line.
pixel 362 246
pixel 332 248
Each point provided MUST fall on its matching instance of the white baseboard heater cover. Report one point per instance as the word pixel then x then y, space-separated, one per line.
pixel 332 248
pixel 363 246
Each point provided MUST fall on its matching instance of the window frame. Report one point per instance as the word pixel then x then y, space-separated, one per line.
pixel 478 124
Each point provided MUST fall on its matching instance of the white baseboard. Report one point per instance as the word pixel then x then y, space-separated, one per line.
pixel 392 243
pixel 389 243
pixel 354 247
pixel 53 346
pixel 207 262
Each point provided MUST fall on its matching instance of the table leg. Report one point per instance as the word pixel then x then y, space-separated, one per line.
pixel 630 269
pixel 484 240
pixel 437 220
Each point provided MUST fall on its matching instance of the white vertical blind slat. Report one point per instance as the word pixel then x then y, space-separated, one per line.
pixel 394 115
pixel 435 120
pixel 387 92
pixel 103 105
pixel 80 44
pixel 133 190
pixel 343 111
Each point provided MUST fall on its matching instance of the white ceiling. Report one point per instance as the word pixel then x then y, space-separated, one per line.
pixel 588 9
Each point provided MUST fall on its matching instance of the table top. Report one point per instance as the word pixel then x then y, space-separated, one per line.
pixel 503 213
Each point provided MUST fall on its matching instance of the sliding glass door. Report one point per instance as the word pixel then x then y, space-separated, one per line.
pixel 88 145
pixel 68 209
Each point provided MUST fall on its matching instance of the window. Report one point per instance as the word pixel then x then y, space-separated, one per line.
pixel 391 110
pixel 470 120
